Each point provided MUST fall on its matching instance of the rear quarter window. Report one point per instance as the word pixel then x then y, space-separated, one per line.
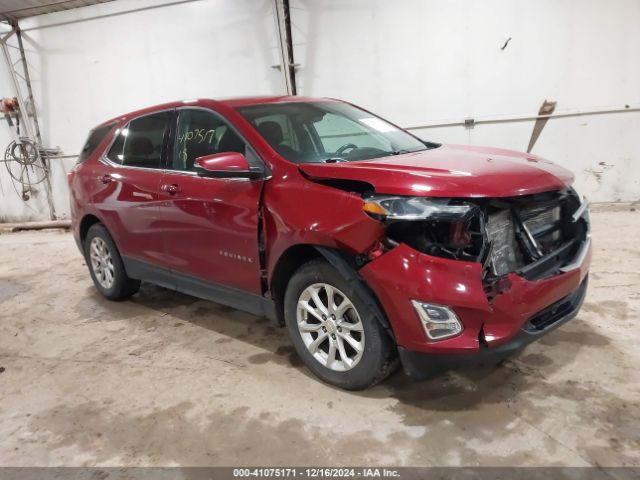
pixel 141 142
pixel 95 137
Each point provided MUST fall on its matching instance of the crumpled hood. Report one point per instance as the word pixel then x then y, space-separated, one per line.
pixel 450 171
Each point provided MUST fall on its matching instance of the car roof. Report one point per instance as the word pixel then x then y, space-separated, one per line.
pixel 244 101
pixel 231 102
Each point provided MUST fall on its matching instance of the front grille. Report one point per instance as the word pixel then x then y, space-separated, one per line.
pixel 534 236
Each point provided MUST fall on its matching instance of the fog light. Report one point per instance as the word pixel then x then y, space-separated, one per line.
pixel 439 322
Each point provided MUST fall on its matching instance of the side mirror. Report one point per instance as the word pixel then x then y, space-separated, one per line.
pixel 226 165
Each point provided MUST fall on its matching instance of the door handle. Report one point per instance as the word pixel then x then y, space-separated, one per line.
pixel 171 189
pixel 106 178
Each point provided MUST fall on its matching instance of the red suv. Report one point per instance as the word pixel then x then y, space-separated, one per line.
pixel 368 243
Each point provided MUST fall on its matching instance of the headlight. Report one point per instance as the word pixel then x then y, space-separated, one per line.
pixel 415 208
pixel 442 227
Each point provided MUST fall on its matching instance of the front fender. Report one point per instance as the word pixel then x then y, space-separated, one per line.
pixel 348 271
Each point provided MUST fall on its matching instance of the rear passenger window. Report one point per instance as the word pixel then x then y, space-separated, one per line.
pixel 140 143
pixel 95 137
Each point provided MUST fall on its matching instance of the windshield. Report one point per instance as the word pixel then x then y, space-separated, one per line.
pixel 327 132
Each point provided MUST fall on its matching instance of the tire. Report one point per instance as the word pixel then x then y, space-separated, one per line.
pixel 115 285
pixel 376 357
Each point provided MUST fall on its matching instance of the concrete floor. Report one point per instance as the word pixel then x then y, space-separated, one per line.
pixel 166 379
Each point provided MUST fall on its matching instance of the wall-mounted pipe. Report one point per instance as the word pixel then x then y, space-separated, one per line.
pixel 528 118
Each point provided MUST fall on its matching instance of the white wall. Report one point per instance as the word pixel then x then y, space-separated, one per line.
pixel 97 62
pixel 416 62
pixel 422 62
pixel 12 208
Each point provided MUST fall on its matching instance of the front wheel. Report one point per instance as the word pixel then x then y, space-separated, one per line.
pixel 333 329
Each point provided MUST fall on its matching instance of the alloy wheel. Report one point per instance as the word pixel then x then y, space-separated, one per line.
pixel 330 327
pixel 101 262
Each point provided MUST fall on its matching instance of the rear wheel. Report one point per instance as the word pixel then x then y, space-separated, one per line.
pixel 105 265
pixel 334 330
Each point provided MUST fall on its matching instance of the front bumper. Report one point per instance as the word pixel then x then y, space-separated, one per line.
pixel 420 365
pixel 493 329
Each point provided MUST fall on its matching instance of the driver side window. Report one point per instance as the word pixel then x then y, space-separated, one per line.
pixel 336 131
pixel 200 133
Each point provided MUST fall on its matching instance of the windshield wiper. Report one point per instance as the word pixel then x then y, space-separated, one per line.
pixel 400 152
pixel 333 160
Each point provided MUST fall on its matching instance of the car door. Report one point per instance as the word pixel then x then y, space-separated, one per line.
pixel 130 174
pixel 209 225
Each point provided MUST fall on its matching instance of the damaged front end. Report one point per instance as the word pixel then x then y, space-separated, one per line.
pixel 502 267
pixel 535 236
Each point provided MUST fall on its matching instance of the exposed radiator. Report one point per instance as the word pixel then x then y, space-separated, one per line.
pixel 540 220
pixel 505 254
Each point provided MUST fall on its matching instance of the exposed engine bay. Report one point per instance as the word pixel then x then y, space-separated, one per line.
pixel 533 235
